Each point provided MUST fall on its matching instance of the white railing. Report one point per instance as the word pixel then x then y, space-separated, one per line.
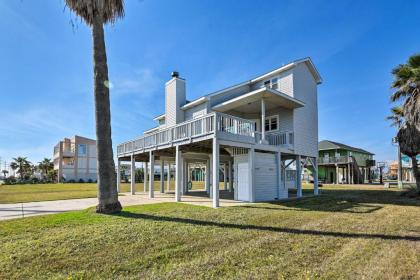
pixel 203 126
pixel 282 138
pixel 235 125
pixel 182 131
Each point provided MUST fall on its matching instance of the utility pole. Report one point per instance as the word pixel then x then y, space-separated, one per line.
pixel 381 166
pixel 399 171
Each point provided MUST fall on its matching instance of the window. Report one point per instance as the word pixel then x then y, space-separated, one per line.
pixel 82 149
pixel 161 121
pixel 273 83
pixel 271 123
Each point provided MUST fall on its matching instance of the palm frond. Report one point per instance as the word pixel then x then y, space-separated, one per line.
pixel 109 10
pixel 398 95
pixel 414 61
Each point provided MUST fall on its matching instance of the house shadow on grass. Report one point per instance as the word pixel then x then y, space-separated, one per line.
pixel 131 215
pixel 361 201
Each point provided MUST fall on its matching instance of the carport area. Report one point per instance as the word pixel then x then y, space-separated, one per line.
pixel 191 168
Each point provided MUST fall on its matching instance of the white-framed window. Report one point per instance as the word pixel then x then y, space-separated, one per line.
pixel 271 123
pixel 272 83
pixel 82 149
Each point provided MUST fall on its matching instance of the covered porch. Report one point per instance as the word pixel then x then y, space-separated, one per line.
pixel 257 106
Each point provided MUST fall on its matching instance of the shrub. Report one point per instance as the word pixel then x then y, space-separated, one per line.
pixel 71 181
pixel 34 181
pixel 90 181
pixel 81 180
pixel 10 180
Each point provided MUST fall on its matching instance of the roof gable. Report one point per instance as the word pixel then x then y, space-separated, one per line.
pixel 331 145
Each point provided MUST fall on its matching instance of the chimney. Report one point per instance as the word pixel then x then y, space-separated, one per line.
pixel 175 98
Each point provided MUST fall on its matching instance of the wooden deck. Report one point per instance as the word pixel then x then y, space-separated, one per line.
pixel 224 127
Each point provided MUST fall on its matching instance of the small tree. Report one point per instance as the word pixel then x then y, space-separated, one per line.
pixel 5 172
pixel 46 165
pixel 22 165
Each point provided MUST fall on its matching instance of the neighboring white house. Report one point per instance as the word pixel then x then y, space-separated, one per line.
pixel 254 130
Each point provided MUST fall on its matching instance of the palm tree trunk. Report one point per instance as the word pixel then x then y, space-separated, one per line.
pixel 416 172
pixel 107 183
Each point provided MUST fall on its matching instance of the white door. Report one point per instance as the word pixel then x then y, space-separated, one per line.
pixel 243 186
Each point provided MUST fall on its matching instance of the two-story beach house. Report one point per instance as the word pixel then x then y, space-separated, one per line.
pixel 253 129
pixel 340 163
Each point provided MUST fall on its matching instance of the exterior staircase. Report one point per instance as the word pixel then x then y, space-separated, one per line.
pixel 358 176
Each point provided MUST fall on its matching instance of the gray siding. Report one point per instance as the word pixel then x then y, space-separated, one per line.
pixel 305 119
pixel 285 82
pixel 265 177
pixel 217 99
pixel 286 119
pixel 196 111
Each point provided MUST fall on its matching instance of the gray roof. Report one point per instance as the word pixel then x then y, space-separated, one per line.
pixel 331 145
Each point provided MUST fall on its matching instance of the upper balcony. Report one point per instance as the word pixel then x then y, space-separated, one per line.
pixel 334 160
pixel 219 125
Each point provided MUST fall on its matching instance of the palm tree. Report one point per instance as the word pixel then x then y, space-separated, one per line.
pixel 95 14
pixel 407 85
pixel 45 166
pixel 22 165
pixel 397 116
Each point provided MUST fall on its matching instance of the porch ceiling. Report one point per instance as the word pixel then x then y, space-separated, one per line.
pixel 251 102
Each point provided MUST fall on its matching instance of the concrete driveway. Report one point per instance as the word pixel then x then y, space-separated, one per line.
pixel 20 210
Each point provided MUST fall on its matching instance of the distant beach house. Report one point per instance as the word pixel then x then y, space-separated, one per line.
pixel 341 163
pixel 75 159
pixel 406 168
pixel 250 132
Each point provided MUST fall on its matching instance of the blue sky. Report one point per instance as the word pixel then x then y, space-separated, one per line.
pixel 46 63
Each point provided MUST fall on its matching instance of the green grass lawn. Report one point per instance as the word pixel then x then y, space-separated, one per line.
pixel 43 192
pixel 347 233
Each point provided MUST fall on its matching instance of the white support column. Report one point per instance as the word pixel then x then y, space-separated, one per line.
pixel 348 174
pixel 184 176
pixel 298 176
pixel 146 175
pixel 230 176
pixel 118 175
pixel 337 180
pixel 216 159
pixel 207 176
pixel 315 175
pixel 162 176
pixel 133 175
pixel 168 187
pixel 262 120
pixel 178 173
pixel 279 174
pixel 211 176
pixel 251 174
pixel 152 175
pixel 225 173
pixel 189 176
